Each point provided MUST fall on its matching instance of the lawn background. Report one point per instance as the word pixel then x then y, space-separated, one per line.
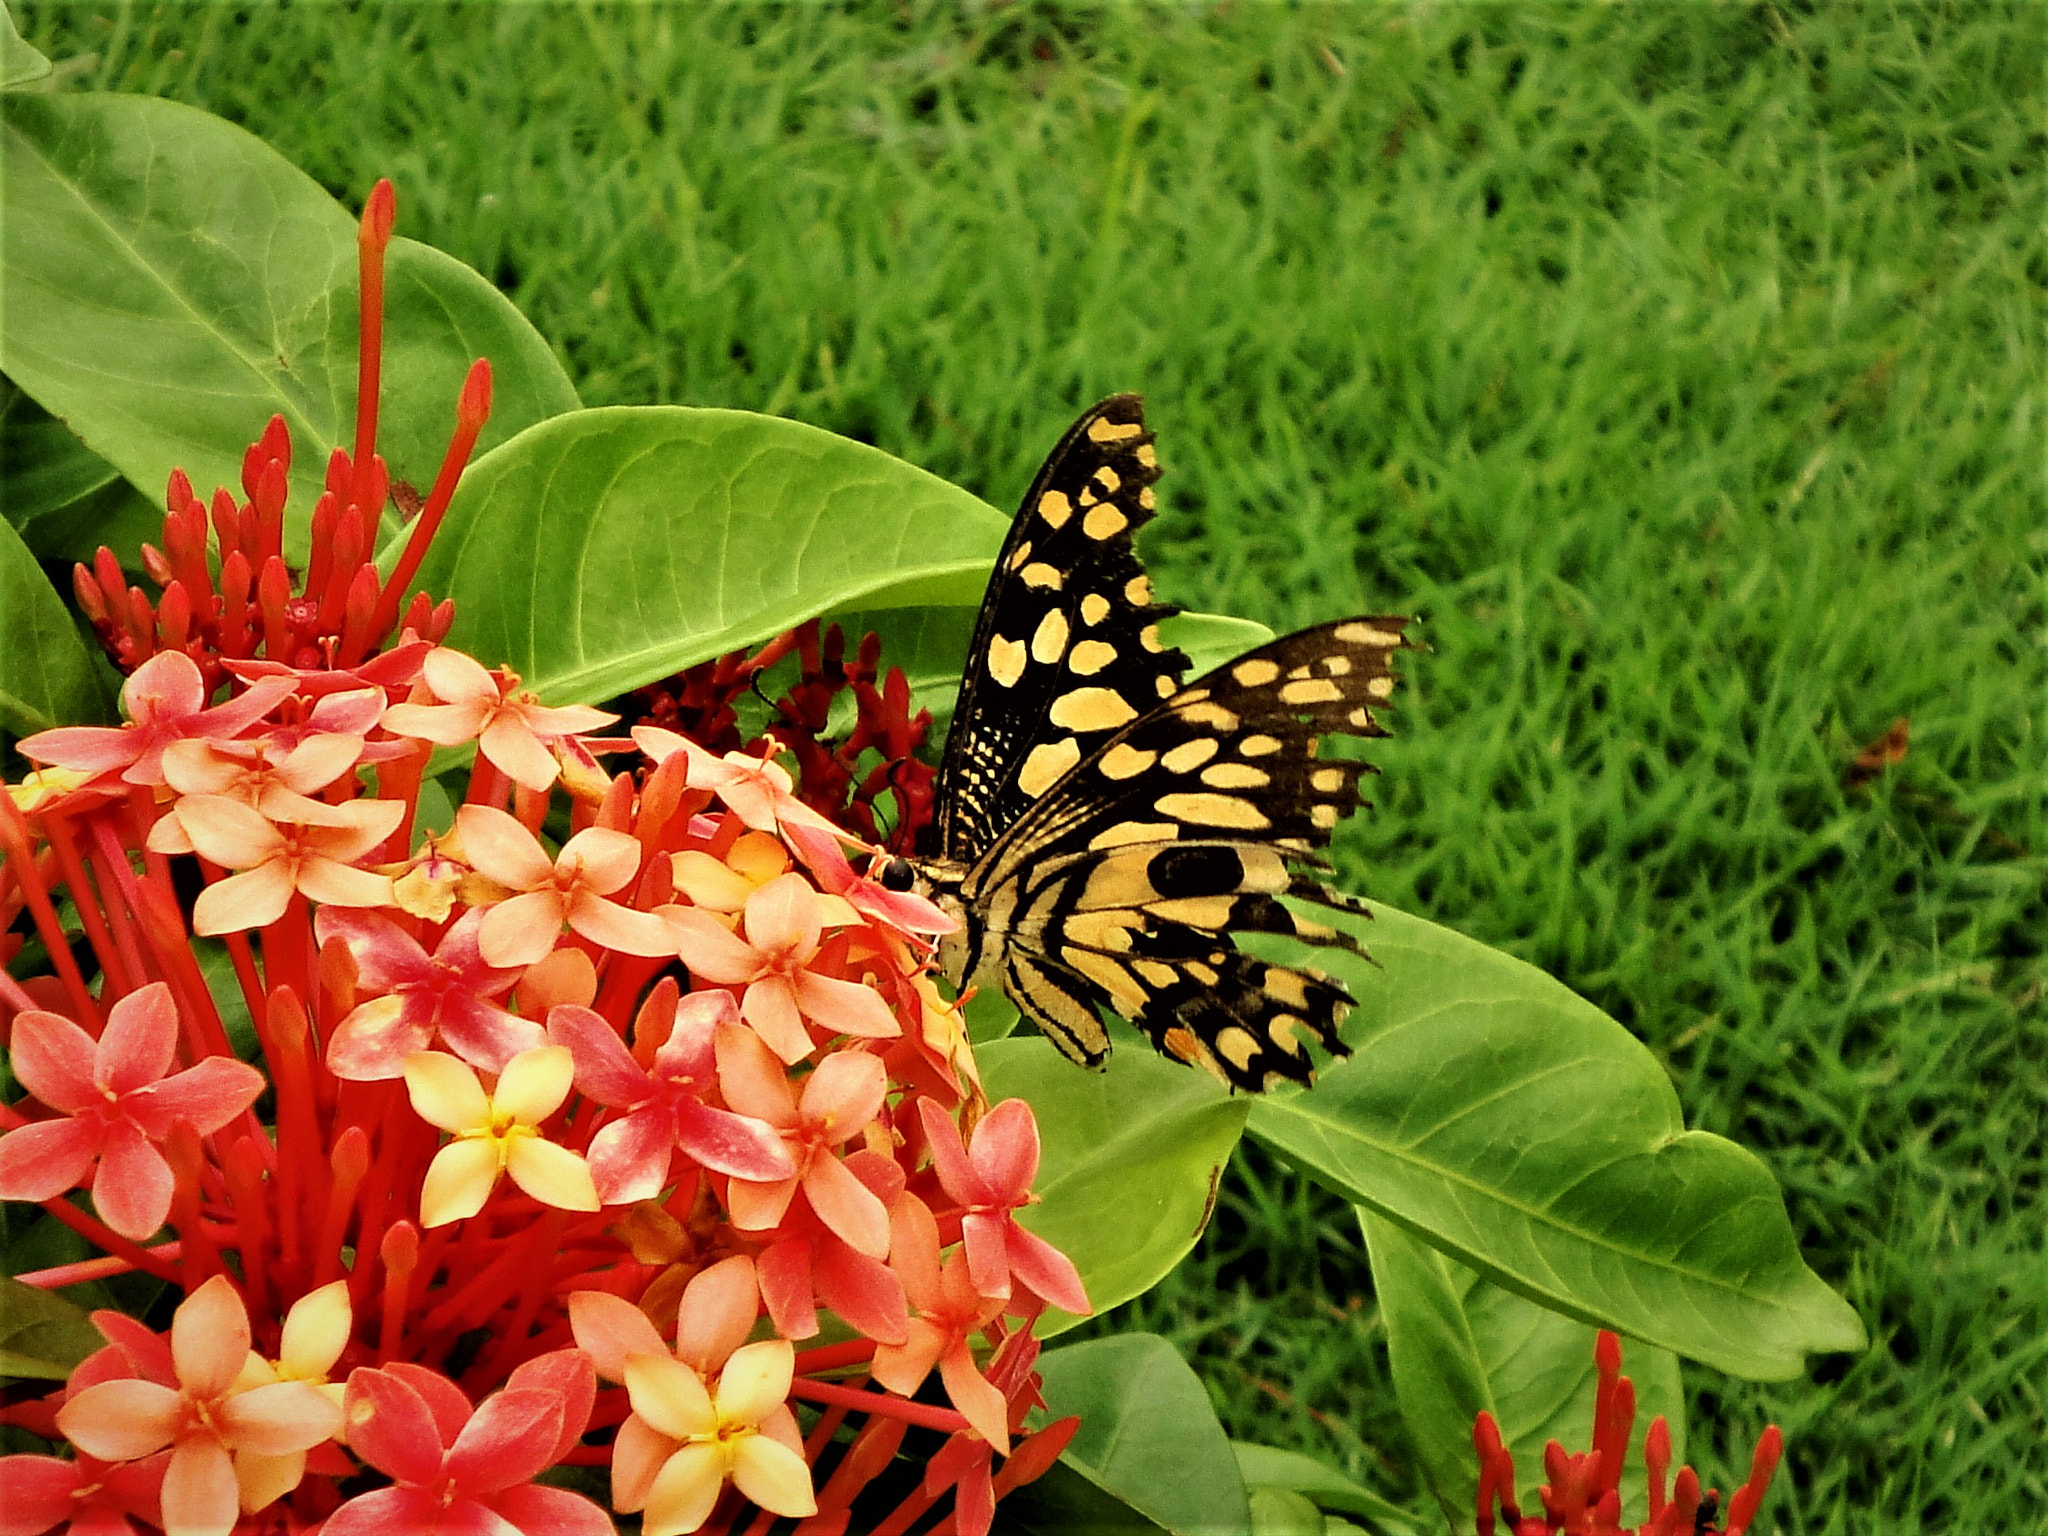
pixel 1680 364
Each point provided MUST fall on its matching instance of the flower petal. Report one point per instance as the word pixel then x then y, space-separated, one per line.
pixel 499 847
pixel 485 1035
pixel 752 1079
pixel 605 1069
pixel 710 949
pixel 210 1338
pixel 684 1491
pixel 316 1331
pixel 509 1439
pixel 201 1497
pixel 628 931
pixel 41 1160
pixel 718 1311
pixel 755 1380
pixel 975 1397
pixel 332 883
pixel 847 1206
pixel 372 1043
pixel 140 1041
pixel 604 859
pixel 638 1455
pixel 1049 1273
pixel 275 1420
pixel 254 899
pixel 570 1377
pixel 459 1180
pixel 846 1006
pixel 382 1511
pixel 55 1060
pixel 629 1157
pixel 670 1396
pixel 509 742
pixel 727 1143
pixel 445 1092
pixel 206 1097
pixel 843 1094
pixel 35 1493
pixel 521 931
pixel 773 1476
pixel 770 1007
pixel 227 832
pixel 988 1256
pixel 386 956
pixel 391 1426
pixel 784 1272
pixel 534 1084
pixel 133 1187
pixel 865 1292
pixel 553 1175
pixel 121 1420
pixel 612 1330
pixel 538 1510
pixel 783 916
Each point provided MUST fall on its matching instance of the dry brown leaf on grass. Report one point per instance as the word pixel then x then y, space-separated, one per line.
pixel 1885 752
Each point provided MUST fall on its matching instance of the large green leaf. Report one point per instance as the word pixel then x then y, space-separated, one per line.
pixel 1148 1431
pixel 1065 1503
pixel 1459 1344
pixel 41 1336
pixel 608 548
pixel 1512 1124
pixel 47 676
pixel 1269 1468
pixel 20 61
pixel 173 282
pixel 1132 1156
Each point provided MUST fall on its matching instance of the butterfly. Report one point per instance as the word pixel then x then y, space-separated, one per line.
pixel 1102 828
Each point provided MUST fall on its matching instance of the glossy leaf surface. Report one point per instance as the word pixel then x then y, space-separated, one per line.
pixel 47 676
pixel 42 1336
pixel 1512 1124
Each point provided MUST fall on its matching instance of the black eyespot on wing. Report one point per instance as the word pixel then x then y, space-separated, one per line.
pixel 1066 649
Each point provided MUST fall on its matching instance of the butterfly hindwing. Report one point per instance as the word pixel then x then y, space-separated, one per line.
pixel 1123 885
pixel 1066 649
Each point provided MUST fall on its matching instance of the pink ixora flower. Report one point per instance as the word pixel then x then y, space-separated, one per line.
pixel 119 1100
pixel 949 1311
pixel 413 997
pixel 277 859
pixel 991 1182
pixel 457 1468
pixel 165 701
pixel 571 888
pixel 759 789
pixel 511 728
pixel 665 1108
pixel 208 1424
pixel 85 1496
pixel 841 1096
pixel 783 925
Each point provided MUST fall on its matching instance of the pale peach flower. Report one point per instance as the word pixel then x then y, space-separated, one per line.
pixel 570 889
pixel 510 727
pixel 277 859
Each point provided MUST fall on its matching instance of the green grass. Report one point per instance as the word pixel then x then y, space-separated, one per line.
pixel 1680 365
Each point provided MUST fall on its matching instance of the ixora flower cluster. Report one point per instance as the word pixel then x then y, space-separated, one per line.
pixel 1583 1496
pixel 616 1124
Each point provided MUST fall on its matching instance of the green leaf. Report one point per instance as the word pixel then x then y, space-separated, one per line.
pixel 1282 1512
pixel 42 463
pixel 1268 1466
pixel 607 548
pixel 1211 639
pixel 1130 1164
pixel 173 282
pixel 1459 1344
pixel 47 676
pixel 19 61
pixel 41 1335
pixel 1065 1503
pixel 1148 1431
pixel 1509 1122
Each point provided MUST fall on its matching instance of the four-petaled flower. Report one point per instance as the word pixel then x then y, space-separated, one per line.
pixel 277 860
pixel 497 1132
pixel 316 1331
pixel 759 789
pixel 665 1108
pixel 118 1104
pixel 570 889
pixel 783 924
pixel 991 1181
pixel 414 997
pixel 165 699
pixel 455 1468
pixel 950 1310
pixel 223 1441
pixel 716 1410
pixel 510 727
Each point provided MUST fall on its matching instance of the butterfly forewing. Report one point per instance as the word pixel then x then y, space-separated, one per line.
pixel 1066 650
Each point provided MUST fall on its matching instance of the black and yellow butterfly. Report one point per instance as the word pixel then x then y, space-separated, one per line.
pixel 1102 829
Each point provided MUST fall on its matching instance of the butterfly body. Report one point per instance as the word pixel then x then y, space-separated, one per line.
pixel 1104 828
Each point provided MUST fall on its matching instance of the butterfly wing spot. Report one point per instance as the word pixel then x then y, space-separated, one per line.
pixel 1258 746
pixel 1138 591
pixel 1006 660
pixel 1146 499
pixel 1236 776
pixel 1126 992
pixel 1104 521
pixel 1212 912
pixel 1124 761
pixel 1381 687
pixel 1090 656
pixel 1108 479
pixel 1041 577
pixel 1165 687
pixel 1103 430
pixel 1091 709
pixel 1049 643
pixel 1252 673
pixel 1055 508
pixel 1125 833
pixel 1047 764
pixel 1060 1007
pixel 1148 637
pixel 1325 817
pixel 1023 553
pixel 1318 690
pixel 1094 609
pixel 1189 755
pixel 1147 457
pixel 1327 780
pixel 1209 810
pixel 1215 716
pixel 1359 633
